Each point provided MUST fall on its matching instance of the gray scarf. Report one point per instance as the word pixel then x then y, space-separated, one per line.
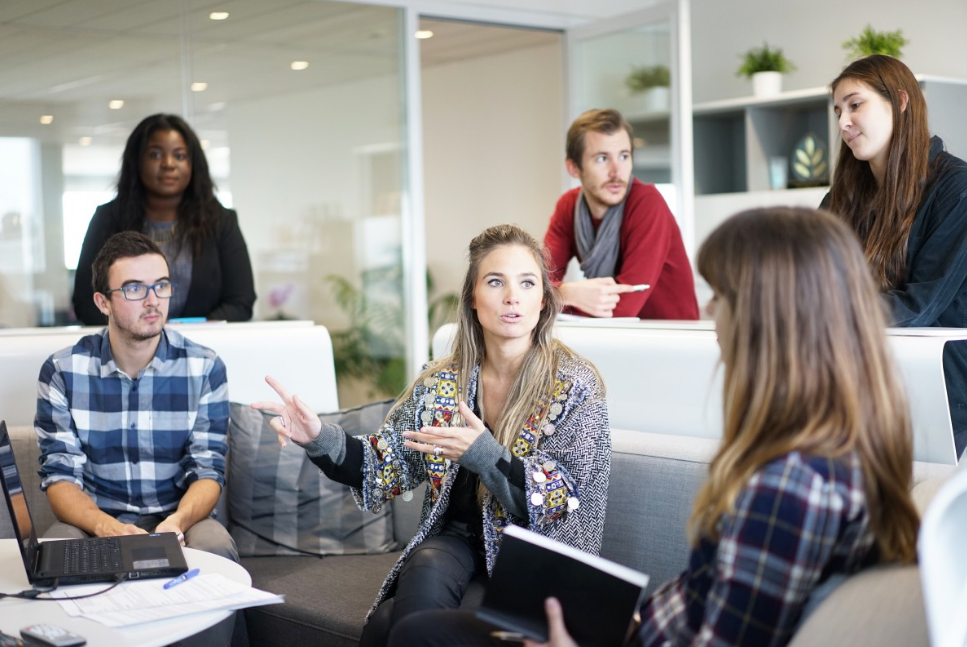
pixel 599 253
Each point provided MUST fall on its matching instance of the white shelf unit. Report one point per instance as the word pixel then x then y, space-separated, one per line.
pixel 734 139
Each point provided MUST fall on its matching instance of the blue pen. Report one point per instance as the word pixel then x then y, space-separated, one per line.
pixel 184 577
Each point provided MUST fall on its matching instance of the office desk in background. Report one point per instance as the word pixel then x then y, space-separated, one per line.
pixel 16 613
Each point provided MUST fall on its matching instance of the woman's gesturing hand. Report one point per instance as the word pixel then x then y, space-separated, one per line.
pixel 293 418
pixel 448 442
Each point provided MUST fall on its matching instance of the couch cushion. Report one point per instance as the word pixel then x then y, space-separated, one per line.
pixel 654 479
pixel 280 503
pixel 326 599
pixel 879 607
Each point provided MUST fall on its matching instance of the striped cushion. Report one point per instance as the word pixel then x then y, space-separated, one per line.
pixel 280 503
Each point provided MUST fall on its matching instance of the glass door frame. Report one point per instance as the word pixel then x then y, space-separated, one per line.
pixel 677 14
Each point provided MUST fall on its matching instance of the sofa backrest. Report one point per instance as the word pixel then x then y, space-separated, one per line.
pixel 298 353
pixel 664 377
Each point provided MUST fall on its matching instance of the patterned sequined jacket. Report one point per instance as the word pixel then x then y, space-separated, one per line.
pixel 567 463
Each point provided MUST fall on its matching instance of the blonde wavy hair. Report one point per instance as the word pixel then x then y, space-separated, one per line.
pixel 807 366
pixel 539 368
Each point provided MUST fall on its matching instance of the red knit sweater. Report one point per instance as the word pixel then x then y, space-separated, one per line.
pixel 651 252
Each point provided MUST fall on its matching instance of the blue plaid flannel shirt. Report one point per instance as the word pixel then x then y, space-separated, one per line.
pixel 133 445
pixel 798 520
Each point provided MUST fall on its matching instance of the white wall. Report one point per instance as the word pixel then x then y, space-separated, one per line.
pixel 811 33
pixel 300 185
pixel 493 147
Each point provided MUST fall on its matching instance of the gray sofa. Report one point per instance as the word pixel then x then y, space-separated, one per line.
pixel 654 479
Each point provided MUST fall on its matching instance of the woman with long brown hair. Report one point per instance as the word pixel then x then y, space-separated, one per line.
pixel 510 428
pixel 906 199
pixel 813 476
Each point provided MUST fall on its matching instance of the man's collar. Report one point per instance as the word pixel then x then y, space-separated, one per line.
pixel 109 367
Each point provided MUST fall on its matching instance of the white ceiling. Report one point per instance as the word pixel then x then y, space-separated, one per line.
pixel 69 58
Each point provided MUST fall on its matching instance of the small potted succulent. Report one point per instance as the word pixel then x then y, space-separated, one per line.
pixel 871 41
pixel 765 66
pixel 651 84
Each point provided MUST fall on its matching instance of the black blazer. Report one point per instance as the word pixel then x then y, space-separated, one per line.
pixel 222 286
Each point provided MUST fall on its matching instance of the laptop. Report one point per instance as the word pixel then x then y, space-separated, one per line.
pixel 80 561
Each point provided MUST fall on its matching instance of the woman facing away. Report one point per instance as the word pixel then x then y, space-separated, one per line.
pixel 813 475
pixel 510 428
pixel 906 199
pixel 165 191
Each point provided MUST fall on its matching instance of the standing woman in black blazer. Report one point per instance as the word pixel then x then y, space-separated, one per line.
pixel 166 192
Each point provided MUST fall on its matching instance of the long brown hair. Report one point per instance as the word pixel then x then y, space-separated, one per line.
pixel 806 365
pixel 539 368
pixel 882 215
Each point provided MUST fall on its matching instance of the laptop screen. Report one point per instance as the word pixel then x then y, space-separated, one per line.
pixel 16 501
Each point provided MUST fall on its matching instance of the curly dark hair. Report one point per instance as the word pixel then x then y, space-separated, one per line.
pixel 199 208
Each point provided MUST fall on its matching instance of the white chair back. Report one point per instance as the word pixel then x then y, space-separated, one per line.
pixel 943 563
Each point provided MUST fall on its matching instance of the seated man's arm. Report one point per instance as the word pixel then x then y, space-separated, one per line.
pixel 197 503
pixel 204 462
pixel 71 505
pixel 62 461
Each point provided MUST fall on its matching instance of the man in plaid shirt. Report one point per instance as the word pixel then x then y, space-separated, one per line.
pixel 132 421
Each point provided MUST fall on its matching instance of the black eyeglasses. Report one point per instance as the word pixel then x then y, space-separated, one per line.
pixel 139 291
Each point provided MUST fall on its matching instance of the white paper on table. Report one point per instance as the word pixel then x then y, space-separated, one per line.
pixel 135 602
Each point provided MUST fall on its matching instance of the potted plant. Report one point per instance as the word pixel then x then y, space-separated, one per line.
pixel 650 84
pixel 765 66
pixel 871 41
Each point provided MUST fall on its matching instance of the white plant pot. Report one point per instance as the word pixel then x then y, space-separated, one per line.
pixel 651 100
pixel 766 84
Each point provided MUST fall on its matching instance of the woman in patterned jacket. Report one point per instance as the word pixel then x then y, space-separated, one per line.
pixel 813 477
pixel 510 428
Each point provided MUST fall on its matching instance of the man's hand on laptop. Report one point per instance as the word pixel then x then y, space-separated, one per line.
pixel 111 527
pixel 594 297
pixel 170 526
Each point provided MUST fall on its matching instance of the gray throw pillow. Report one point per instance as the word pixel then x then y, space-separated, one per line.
pixel 280 503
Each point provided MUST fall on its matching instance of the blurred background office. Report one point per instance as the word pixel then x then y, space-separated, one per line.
pixel 363 144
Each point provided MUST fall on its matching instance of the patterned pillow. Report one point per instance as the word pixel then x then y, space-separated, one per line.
pixel 280 503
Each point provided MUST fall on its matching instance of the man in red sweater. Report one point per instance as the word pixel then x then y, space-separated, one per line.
pixel 619 228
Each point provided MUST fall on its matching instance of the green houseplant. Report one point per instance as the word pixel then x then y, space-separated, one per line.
pixel 871 41
pixel 643 78
pixel 765 66
pixel 649 87
pixel 372 350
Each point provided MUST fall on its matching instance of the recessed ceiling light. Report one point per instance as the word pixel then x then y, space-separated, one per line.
pixel 84 141
pixel 299 65
pixel 205 144
pixel 423 34
pixel 116 104
pixel 218 15
pixel 215 107
pixel 47 119
pixel 199 86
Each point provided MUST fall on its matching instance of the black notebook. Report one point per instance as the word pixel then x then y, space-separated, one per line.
pixel 76 561
pixel 599 597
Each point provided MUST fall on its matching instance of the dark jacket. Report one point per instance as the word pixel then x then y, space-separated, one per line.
pixel 222 286
pixel 934 293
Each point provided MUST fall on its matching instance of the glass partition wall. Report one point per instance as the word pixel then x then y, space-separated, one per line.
pixel 300 106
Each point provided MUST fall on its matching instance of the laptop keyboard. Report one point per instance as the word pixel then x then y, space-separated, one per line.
pixel 95 555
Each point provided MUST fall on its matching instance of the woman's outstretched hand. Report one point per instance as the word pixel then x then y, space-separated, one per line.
pixel 557 635
pixel 293 418
pixel 447 442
